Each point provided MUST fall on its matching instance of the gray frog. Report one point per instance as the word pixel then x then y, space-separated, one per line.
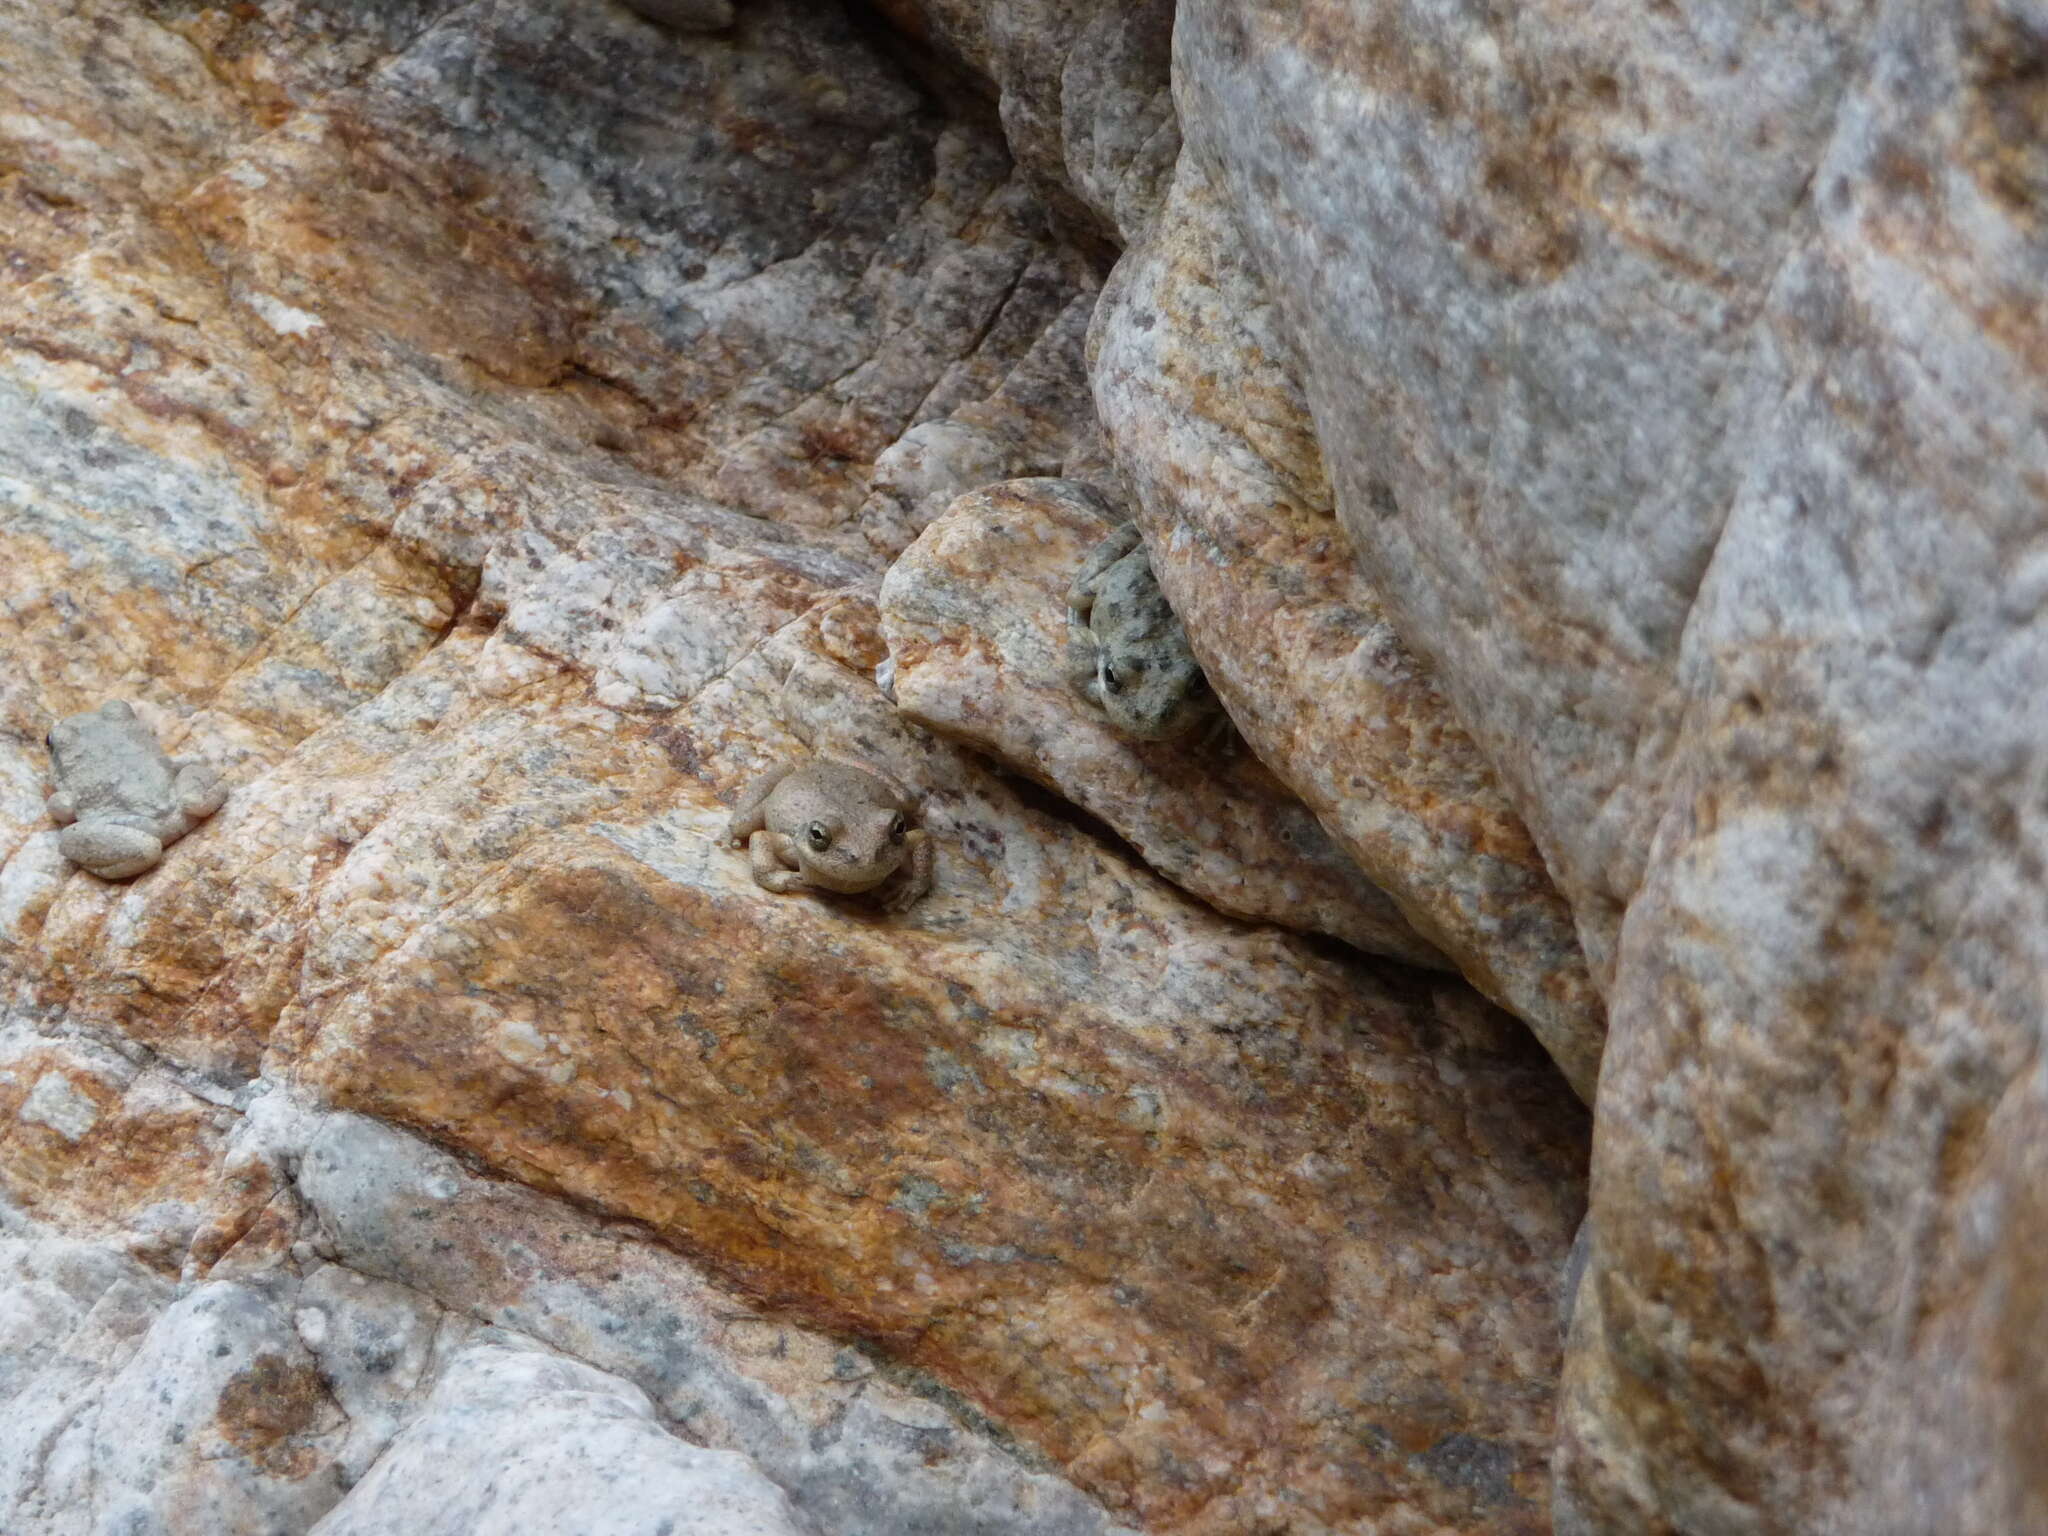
pixel 836 827
pixel 1126 651
pixel 119 799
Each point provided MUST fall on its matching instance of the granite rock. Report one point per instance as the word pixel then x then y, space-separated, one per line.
pixel 957 1105
pixel 975 620
pixel 685 15
pixel 456 420
pixel 1193 377
pixel 1082 92
pixel 122 1408
pixel 1681 381
pixel 514 1440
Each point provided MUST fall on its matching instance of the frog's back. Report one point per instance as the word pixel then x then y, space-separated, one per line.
pixel 822 788
pixel 114 768
pixel 1132 608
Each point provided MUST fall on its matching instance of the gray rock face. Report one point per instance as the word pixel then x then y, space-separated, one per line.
pixel 919 475
pixel 514 1440
pixel 1681 385
pixel 1081 89
pixel 685 15
pixel 975 617
pixel 1194 378
pixel 375 1377
pixel 482 429
pixel 1597 454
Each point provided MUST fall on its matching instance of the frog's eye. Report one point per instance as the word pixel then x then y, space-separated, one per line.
pixel 818 836
pixel 1109 678
pixel 897 827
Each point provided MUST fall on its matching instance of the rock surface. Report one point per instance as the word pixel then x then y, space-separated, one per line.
pixel 980 1133
pixel 1598 455
pixel 514 1440
pixel 1082 92
pixel 1192 375
pixel 975 619
pixel 461 422
pixel 1681 384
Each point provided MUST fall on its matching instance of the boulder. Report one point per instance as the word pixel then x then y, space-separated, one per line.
pixel 455 423
pixel 975 618
pixel 1680 381
pixel 1198 393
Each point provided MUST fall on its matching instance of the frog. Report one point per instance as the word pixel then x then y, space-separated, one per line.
pixel 1127 654
pixel 832 825
pixel 120 798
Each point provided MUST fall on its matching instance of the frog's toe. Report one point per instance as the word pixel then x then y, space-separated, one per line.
pixel 109 850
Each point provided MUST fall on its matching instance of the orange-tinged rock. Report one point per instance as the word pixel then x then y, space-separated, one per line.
pixel 1174 1198
pixel 976 616
pixel 461 443
pixel 1200 401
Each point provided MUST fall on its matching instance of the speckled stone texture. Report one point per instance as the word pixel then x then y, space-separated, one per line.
pixel 975 618
pixel 1082 92
pixel 464 424
pixel 1681 380
pixel 1192 375
pixel 516 1440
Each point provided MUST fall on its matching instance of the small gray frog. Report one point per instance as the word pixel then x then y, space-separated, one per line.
pixel 119 798
pixel 1126 651
pixel 836 827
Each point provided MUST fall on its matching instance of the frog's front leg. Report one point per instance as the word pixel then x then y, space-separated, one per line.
pixel 1087 582
pixel 62 808
pixel 110 849
pixel 768 854
pixel 917 874
pixel 1082 659
pixel 200 791
pixel 749 817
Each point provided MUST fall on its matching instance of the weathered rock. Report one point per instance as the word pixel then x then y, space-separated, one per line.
pixel 514 1440
pixel 123 1409
pixel 219 1422
pixel 685 15
pixel 1082 91
pixel 975 617
pixel 1192 376
pixel 80 1324
pixel 640 1027
pixel 923 472
pixel 394 441
pixel 1681 385
pixel 93 1144
pixel 861 1445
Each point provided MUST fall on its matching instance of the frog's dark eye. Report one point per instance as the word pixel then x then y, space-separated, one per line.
pixel 1110 680
pixel 818 836
pixel 897 827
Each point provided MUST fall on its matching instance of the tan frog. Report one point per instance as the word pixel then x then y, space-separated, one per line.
pixel 1126 651
pixel 836 827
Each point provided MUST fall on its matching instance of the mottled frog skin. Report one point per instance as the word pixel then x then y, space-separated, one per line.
pixel 1126 651
pixel 119 798
pixel 833 826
